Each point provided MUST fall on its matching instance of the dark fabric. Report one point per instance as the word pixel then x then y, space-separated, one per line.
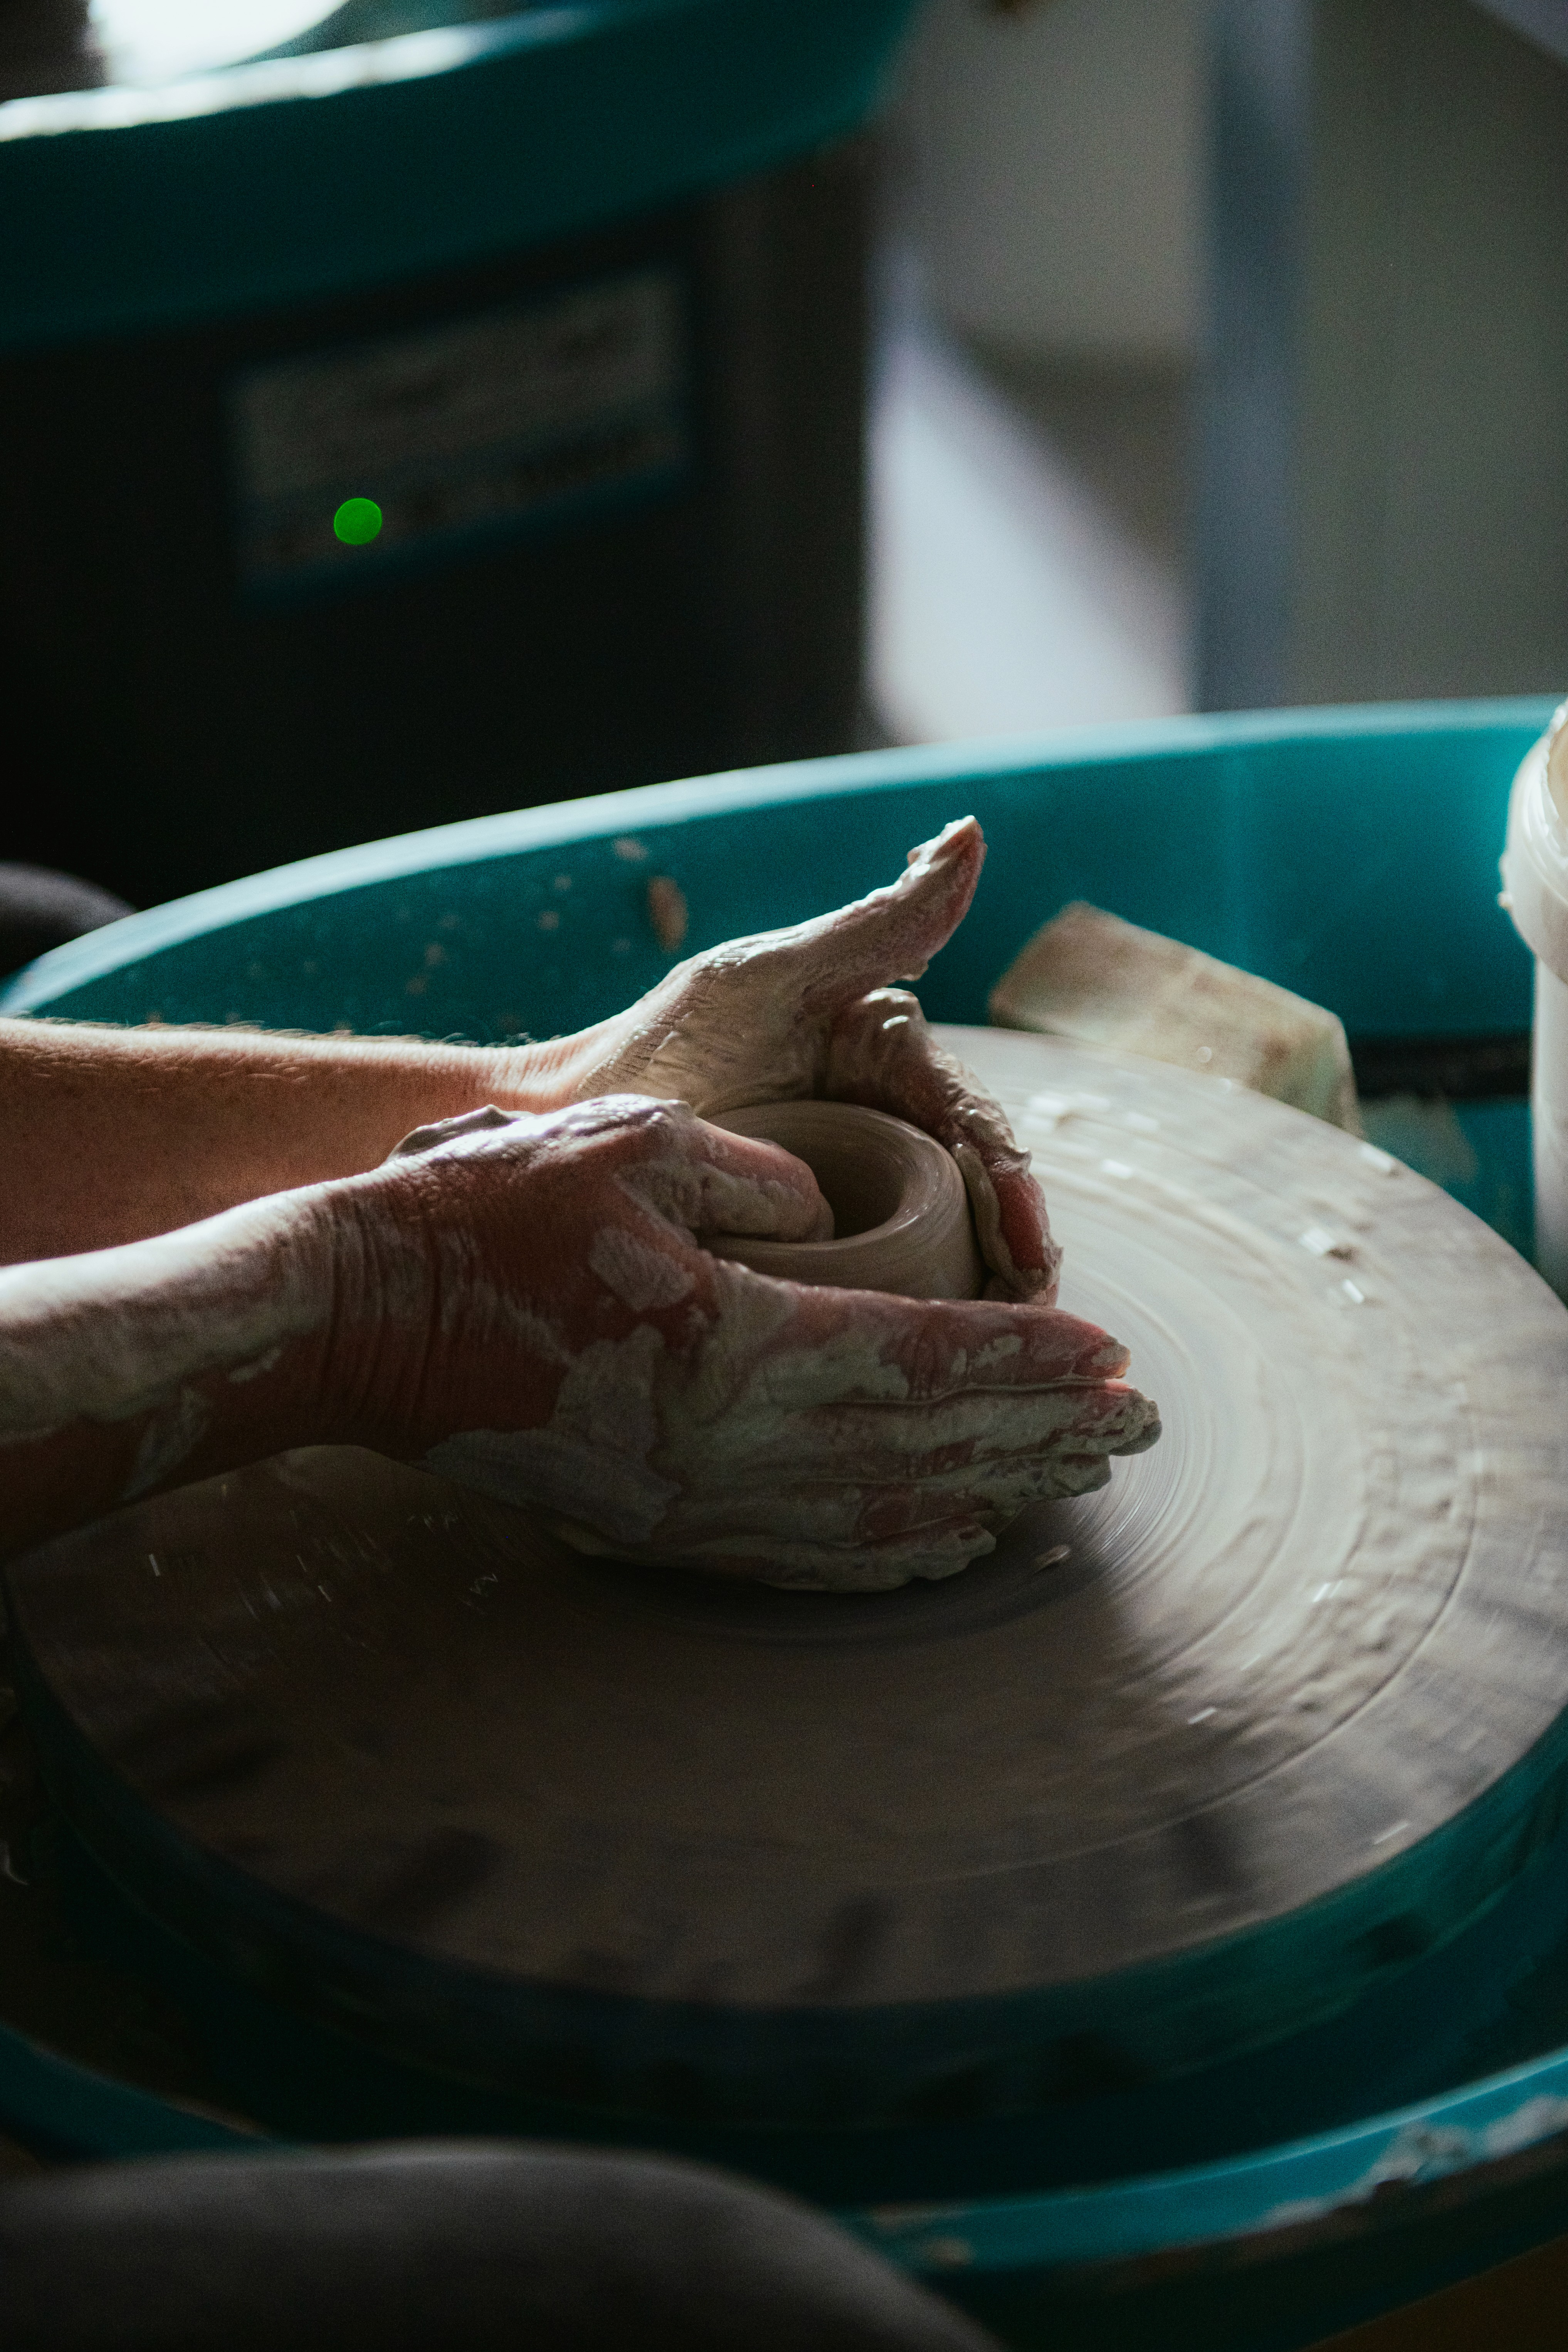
pixel 40 909
pixel 446 2247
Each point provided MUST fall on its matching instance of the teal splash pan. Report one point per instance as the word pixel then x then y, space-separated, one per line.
pixel 1360 2161
pixel 266 184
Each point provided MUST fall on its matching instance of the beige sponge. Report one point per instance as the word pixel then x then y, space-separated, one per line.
pixel 1101 981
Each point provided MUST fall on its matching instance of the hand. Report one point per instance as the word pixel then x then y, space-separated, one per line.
pixel 806 1012
pixel 523 1304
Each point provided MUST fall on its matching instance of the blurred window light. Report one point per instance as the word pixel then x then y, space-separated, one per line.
pixel 152 41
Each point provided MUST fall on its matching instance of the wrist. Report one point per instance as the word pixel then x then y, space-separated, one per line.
pixel 378 1273
pixel 128 1370
pixel 234 1320
pixel 547 1073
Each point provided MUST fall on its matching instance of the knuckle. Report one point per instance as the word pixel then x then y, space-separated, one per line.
pixel 634 1118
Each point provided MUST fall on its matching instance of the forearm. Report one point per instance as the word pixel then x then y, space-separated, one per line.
pixel 170 1360
pixel 111 1135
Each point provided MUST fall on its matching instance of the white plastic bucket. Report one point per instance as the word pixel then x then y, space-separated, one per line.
pixel 1535 892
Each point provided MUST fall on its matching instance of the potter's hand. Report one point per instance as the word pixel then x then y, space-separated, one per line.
pixel 806 1012
pixel 525 1308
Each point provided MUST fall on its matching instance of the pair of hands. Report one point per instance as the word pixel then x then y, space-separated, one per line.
pixel 808 1012
pixel 523 1302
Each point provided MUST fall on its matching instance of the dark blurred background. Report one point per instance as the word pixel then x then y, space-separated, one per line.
pixel 1148 355
pixel 1233 351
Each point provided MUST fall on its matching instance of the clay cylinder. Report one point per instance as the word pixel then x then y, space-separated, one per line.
pixel 900 1214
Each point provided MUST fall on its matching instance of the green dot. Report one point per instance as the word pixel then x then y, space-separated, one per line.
pixel 357 521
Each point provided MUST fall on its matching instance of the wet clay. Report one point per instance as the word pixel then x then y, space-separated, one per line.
pixel 901 1212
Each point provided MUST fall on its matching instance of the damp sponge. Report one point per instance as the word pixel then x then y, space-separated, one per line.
pixel 1089 976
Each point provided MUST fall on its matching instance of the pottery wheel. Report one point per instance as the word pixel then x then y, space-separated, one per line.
pixel 1181 1765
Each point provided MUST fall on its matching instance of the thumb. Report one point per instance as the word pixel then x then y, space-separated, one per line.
pixel 890 935
pixel 893 933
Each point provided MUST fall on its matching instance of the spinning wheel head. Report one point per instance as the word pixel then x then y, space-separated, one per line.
pixel 1175 1769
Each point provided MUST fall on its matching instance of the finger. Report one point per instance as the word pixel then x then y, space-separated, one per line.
pixel 1010 1223
pixel 1003 1449
pixel 957 1445
pixel 898 1514
pixel 811 1563
pixel 891 934
pixel 443 1132
pixel 844 1345
pixel 707 1180
pixel 882 1054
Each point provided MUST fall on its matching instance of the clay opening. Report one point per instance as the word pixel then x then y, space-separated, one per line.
pixel 862 1184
